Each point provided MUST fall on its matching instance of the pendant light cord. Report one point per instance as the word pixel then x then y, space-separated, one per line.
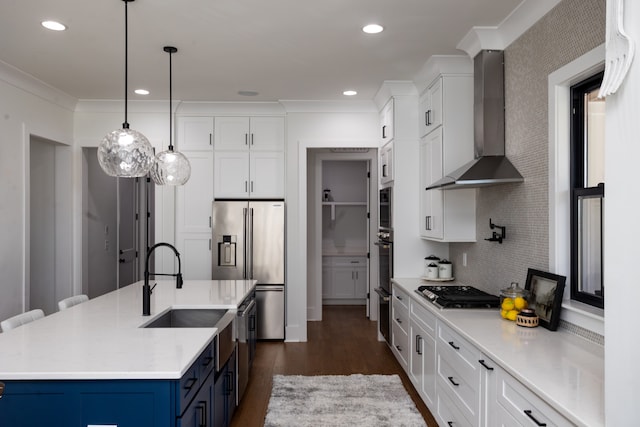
pixel 125 125
pixel 170 104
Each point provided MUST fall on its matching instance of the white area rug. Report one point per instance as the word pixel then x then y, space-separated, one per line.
pixel 341 400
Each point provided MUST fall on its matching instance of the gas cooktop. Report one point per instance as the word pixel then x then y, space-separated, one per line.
pixel 458 297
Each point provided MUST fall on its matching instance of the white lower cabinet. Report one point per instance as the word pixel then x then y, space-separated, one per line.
pixel 400 327
pixel 524 406
pixel 344 277
pixel 460 385
pixel 458 372
pixel 423 353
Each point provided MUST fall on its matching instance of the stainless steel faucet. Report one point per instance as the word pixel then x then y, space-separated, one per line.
pixel 146 289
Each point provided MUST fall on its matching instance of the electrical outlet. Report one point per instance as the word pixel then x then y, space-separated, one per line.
pixel 464 259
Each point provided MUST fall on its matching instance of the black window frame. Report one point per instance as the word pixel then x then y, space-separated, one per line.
pixel 578 189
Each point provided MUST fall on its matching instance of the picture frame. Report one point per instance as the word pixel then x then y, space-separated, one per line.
pixel 546 290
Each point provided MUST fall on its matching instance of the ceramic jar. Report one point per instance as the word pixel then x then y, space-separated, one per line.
pixel 445 269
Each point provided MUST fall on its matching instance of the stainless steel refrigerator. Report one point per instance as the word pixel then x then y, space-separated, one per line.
pixel 248 243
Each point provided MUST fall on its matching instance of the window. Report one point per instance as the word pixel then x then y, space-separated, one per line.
pixel 587 191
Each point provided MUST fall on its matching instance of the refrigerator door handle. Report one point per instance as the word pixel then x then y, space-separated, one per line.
pixel 250 245
pixel 245 237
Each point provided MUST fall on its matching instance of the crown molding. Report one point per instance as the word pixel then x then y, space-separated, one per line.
pixel 28 83
pixel 391 88
pixel 513 26
pixel 438 65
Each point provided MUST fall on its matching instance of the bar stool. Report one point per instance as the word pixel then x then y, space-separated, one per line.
pixel 71 301
pixel 21 319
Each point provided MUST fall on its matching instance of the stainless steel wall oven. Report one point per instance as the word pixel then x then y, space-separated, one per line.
pixel 385 262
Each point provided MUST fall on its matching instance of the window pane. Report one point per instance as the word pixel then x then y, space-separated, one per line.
pixel 594 135
pixel 590 245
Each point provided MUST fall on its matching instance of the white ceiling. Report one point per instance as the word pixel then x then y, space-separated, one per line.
pixel 283 49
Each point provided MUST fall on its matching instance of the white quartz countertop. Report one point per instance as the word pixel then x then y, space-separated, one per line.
pixel 102 338
pixel 563 369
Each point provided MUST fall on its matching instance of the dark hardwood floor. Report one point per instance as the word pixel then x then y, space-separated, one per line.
pixel 344 342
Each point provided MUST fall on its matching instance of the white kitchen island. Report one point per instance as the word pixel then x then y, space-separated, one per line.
pixel 96 358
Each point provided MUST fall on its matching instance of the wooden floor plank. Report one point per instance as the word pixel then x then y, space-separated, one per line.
pixel 343 343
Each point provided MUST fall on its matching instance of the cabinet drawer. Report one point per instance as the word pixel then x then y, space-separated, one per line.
pixel 188 387
pixel 425 318
pixel 401 317
pixel 400 297
pixel 349 261
pixel 448 414
pixel 524 405
pixel 400 342
pixel 461 355
pixel 206 361
pixel 462 388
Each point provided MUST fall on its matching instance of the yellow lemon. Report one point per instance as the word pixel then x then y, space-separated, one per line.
pixel 512 314
pixel 520 303
pixel 507 304
pixel 503 313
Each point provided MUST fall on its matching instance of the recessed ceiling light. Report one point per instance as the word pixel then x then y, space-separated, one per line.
pixel 248 93
pixel 54 25
pixel 349 92
pixel 372 29
pixel 141 91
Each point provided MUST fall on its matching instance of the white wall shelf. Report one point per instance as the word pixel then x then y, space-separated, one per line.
pixel 333 205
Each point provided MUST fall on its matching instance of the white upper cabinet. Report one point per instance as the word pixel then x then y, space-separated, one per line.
pixel 249 157
pixel 194 133
pixel 386 122
pixel 249 133
pixel 446 129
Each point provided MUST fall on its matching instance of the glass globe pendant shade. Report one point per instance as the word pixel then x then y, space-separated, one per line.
pixel 125 153
pixel 171 168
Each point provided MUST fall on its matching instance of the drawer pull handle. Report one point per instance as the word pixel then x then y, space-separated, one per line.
pixel 453 382
pixel 398 320
pixel 527 412
pixel 452 344
pixel 189 384
pixel 450 423
pixel 418 344
pixel 207 361
pixel 1 389
pixel 399 297
pixel 202 407
pixel 489 368
pixel 399 348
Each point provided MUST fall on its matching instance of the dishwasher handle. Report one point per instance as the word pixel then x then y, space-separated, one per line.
pixel 247 309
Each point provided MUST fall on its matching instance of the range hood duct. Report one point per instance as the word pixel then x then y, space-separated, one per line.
pixel 490 166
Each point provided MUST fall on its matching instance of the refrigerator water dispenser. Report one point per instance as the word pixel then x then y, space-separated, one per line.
pixel 227 251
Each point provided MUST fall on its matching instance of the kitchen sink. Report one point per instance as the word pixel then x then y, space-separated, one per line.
pixel 188 318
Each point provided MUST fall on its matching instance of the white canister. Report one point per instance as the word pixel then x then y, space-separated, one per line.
pixel 432 271
pixel 431 259
pixel 445 269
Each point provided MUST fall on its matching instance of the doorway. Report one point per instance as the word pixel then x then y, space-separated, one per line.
pixel 49 259
pixel 117 224
pixel 342 184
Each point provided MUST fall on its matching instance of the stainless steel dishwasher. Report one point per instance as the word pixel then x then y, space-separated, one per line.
pixel 246 341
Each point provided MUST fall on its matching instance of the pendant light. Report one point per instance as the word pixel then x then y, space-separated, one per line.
pixel 170 167
pixel 125 153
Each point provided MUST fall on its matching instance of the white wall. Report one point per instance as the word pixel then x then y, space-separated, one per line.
pixel 34 110
pixel 318 126
pixel 621 249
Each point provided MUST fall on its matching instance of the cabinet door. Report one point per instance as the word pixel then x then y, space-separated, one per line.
pixel 433 203
pixel 360 282
pixel 386 122
pixel 266 175
pixel 194 133
pixel 193 205
pixel 195 249
pixel 266 134
pixel 423 363
pixel 199 413
pixel 343 279
pixel 386 162
pixel 231 174
pixel 435 105
pixel 231 133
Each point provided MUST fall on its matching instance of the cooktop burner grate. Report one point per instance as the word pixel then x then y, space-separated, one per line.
pixel 458 297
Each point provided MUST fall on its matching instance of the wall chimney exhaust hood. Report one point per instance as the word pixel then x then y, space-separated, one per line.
pixel 490 166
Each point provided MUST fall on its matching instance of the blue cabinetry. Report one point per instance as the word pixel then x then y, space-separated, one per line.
pixel 192 401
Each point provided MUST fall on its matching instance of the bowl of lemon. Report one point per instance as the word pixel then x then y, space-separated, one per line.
pixel 513 300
